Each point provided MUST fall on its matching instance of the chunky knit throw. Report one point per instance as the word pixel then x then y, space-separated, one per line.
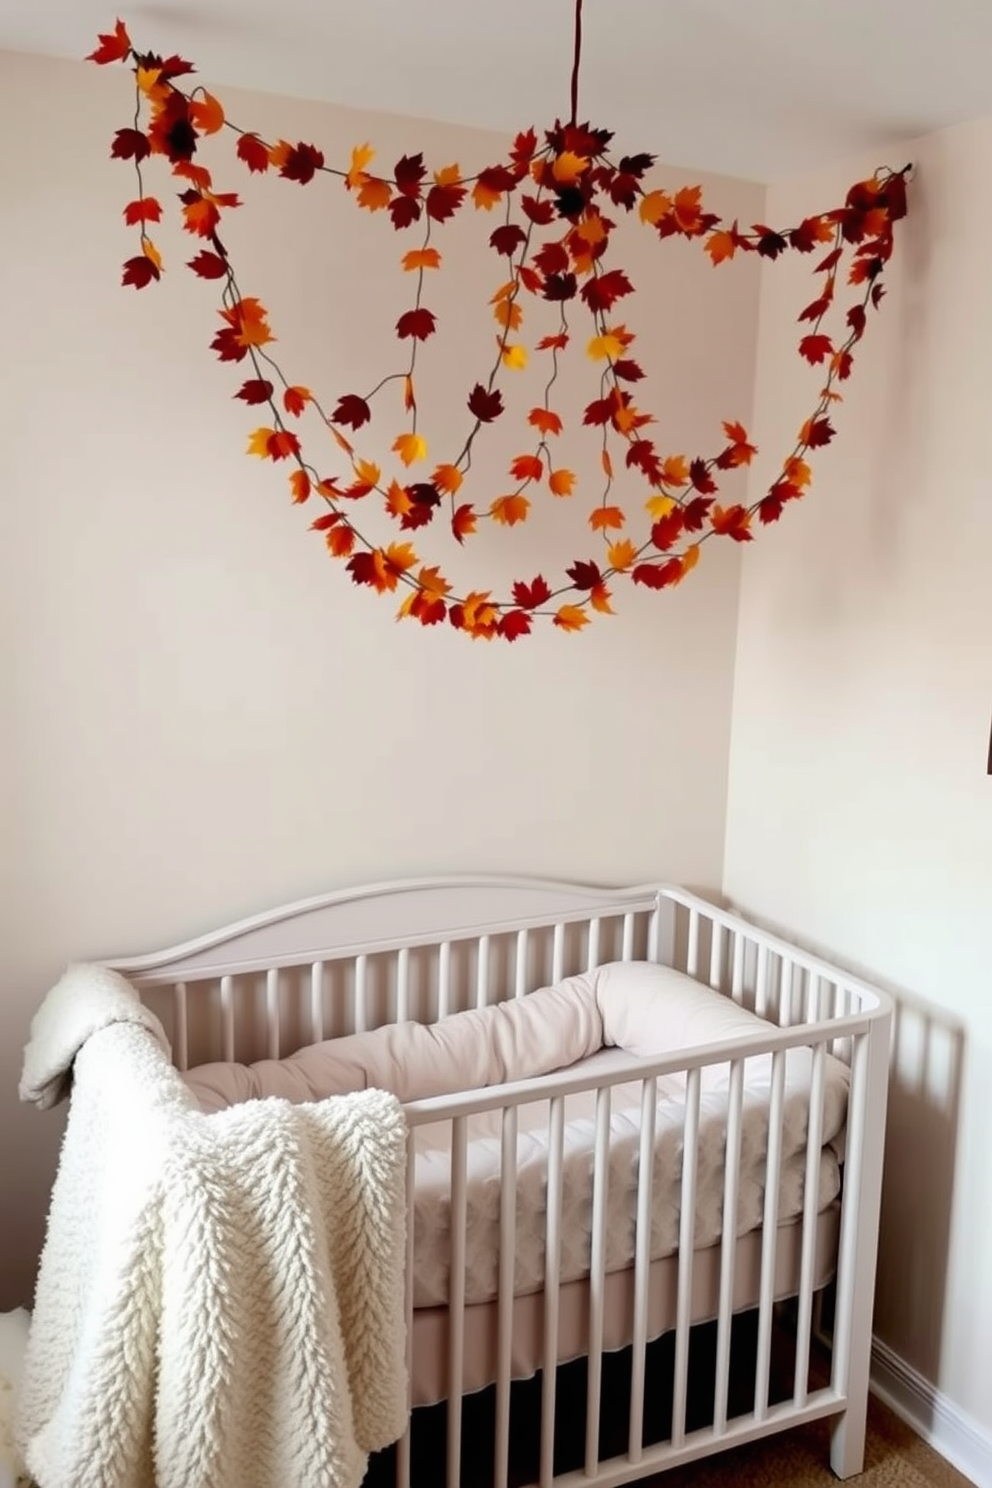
pixel 220 1297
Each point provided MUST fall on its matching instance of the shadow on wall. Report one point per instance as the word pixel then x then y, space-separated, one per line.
pixel 918 1182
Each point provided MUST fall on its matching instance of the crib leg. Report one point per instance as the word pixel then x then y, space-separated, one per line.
pixel 847 1439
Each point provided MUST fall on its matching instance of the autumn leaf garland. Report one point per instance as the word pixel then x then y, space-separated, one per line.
pixel 566 189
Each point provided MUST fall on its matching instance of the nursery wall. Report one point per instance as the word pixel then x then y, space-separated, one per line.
pixel 202 717
pixel 860 812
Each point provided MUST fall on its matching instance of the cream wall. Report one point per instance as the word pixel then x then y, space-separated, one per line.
pixel 201 716
pixel 860 812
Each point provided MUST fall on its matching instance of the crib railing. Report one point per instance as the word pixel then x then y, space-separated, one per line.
pixel 354 961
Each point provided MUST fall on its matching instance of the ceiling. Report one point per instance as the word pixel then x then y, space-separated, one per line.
pixel 756 88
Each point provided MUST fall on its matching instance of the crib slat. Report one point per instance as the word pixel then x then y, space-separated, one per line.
pixel 227 1017
pixel 716 955
pixel 687 1232
pixel 180 1041
pixel 482 972
pixel 761 982
pixel 272 1011
pixel 769 1223
pixel 737 970
pixel 785 997
pixel 444 979
pixel 361 997
pixel 627 951
pixel 692 952
pixel 317 1002
pixel 558 953
pixel 642 1267
pixel 811 1208
pixel 597 1274
pixel 654 934
pixel 507 1257
pixel 592 956
pixel 402 985
pixel 552 1279
pixel 728 1243
pixel 456 1294
pixel 857 1108
pixel 520 970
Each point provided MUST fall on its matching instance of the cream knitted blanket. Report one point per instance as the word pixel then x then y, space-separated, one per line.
pixel 220 1298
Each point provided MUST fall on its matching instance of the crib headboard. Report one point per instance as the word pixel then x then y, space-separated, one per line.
pixel 360 957
pixel 423 948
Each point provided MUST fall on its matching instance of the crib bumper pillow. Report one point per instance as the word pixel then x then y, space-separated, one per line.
pixel 219 1299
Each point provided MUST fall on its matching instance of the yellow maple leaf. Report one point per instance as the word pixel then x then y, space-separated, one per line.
pixel 448 175
pixel 570 617
pixel 654 207
pixel 568 167
pixel 367 472
pixel 421 258
pixel 608 345
pixel 448 479
pixel 151 252
pixel 509 510
pixel 561 482
pixel 147 79
pixel 410 447
pixel 258 442
pixel 515 357
pixel 621 554
pixel 360 157
pixel 659 506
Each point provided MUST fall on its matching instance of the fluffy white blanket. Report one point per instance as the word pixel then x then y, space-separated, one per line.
pixel 220 1297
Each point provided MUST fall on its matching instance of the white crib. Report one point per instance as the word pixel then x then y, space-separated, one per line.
pixel 358 959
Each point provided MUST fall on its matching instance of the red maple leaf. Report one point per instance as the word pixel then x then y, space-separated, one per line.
pixel 668 529
pixel 130 144
pixel 352 411
pixel 695 512
pixel 228 346
pixel 408 174
pixel 601 292
pixel 658 575
pixel 484 404
pixel 627 370
pixel 112 48
pixel 817 433
pixel 732 522
pixel 585 575
pixel 524 147
pixel 463 522
pixel 600 410
pixel 255 390
pixel 513 624
pixel 443 201
pixel 253 152
pixel 541 213
pixel 507 239
pixel 642 453
pixel 425 497
pixel 140 271
pixel 816 348
pixel 418 324
pixel 529 596
pixel 208 265
pixel 552 258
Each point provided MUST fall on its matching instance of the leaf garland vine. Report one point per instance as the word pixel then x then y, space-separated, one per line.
pixel 565 183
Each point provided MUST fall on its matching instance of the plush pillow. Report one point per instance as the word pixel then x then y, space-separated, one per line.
pixel 652 1010
pixel 514 1040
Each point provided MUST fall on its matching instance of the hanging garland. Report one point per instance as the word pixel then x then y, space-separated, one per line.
pixel 554 246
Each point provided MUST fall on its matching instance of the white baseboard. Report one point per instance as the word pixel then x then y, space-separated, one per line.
pixel 947 1428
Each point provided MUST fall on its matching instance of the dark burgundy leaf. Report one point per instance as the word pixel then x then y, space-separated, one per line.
pixel 560 287
pixel 408 174
pixel 208 265
pixel 443 201
pixel 552 258
pixel 700 477
pixel 695 512
pixel 352 411
pixel 584 575
pixel 139 271
pixel 542 213
pixel 416 323
pixel 255 390
pixel 404 211
pixel 507 239
pixel 529 596
pixel 302 162
pixel 484 404
pixel 627 370
pixel 426 498
pixel 130 144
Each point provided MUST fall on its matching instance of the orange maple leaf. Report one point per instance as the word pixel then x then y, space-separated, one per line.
pixel 731 521
pixel 721 246
pixel 568 167
pixel 397 560
pixel 544 420
pixel 675 471
pixel 295 399
pixel 606 463
pixel 374 194
pixel 797 471
pixel 688 209
pixel 448 479
pixel 340 540
pixel 421 258
pixel 509 510
pixel 599 598
pixel 145 209
pixel 410 447
pixel 409 397
pixel 299 485
pixel 206 114
pixel 570 617
pixel 621 554
pixel 508 313
pixel 398 500
pixel 561 482
pixel 654 207
pixel 606 519
pixel 485 196
pixel 463 523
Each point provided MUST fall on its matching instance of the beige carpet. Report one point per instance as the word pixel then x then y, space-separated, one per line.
pixel 895 1458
